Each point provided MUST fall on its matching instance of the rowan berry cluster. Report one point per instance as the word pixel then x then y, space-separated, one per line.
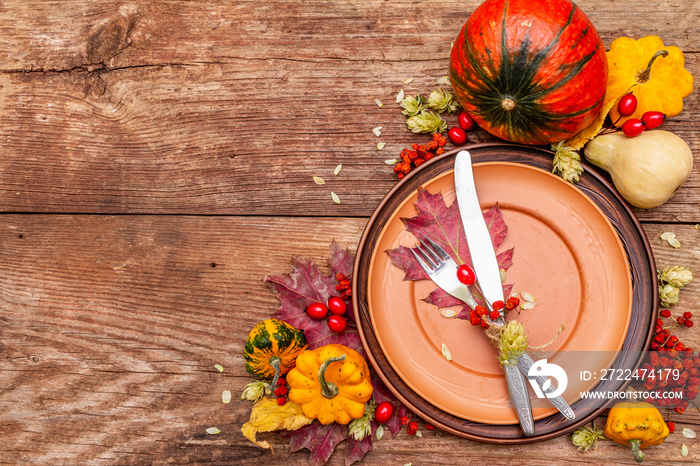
pixel 477 315
pixel 419 154
pixel 672 366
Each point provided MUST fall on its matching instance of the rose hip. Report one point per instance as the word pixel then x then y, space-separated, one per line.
pixel 466 122
pixel 627 105
pixel 337 306
pixel 317 311
pixel 337 324
pixel 457 135
pixel 632 127
pixel 466 275
pixel 653 119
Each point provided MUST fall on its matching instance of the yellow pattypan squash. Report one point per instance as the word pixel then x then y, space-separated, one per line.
pixel 638 424
pixel 654 73
pixel 331 384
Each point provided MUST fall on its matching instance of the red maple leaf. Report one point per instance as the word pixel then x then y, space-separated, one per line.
pixel 306 284
pixel 319 439
pixel 443 225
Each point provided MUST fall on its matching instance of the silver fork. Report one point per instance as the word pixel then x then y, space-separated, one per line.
pixel 442 270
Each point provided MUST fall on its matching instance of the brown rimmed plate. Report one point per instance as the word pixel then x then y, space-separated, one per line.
pixel 633 338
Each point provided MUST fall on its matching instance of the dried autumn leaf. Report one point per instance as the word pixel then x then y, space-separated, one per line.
pixel 443 225
pixel 580 139
pixel 318 180
pixel 268 416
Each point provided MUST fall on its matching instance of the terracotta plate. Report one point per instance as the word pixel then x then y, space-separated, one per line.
pixel 569 252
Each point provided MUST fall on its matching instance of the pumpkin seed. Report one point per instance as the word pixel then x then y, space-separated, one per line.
pixel 337 169
pixel 380 432
pixel 380 145
pixel 408 80
pixel 219 367
pixel 528 305
pixel 527 296
pixel 688 432
pixel 318 180
pixel 226 396
pixel 503 275
pixel 444 80
pixel 670 238
pixel 446 353
pixel 378 102
pixel 449 313
pixel 335 197
pixel 399 96
pixel 213 431
pixel 419 434
pixel 684 450
pixel 390 161
pixel 377 131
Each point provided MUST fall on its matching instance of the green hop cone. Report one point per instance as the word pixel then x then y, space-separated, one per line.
pixel 677 276
pixel 512 343
pixel 668 295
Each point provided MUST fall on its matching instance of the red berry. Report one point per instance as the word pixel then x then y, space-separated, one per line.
pixel 653 119
pixel 627 105
pixel 665 313
pixel 281 381
pixel 457 135
pixel 383 412
pixel 632 127
pixel 317 311
pixel 671 426
pixel 405 420
pixel 429 426
pixel 680 320
pixel 337 305
pixel 688 323
pixel 337 324
pixel 281 401
pixel 688 315
pixel 412 428
pixel 466 122
pixel 281 391
pixel 497 305
pixel 466 275
pixel 484 324
pixel 494 315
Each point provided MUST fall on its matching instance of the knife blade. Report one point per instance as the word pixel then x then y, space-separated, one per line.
pixel 488 274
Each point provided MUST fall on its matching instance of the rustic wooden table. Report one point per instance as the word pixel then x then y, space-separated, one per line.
pixel 156 162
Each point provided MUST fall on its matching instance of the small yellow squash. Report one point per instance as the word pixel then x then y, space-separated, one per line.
pixel 331 384
pixel 638 424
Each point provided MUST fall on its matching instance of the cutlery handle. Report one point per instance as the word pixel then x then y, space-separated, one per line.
pixel 524 364
pixel 520 398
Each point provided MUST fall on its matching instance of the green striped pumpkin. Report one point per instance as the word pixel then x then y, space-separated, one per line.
pixel 272 347
pixel 529 71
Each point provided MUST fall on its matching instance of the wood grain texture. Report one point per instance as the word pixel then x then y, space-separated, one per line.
pixel 221 108
pixel 111 326
pixel 156 162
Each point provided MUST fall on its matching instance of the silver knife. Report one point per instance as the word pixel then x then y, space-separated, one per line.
pixel 488 275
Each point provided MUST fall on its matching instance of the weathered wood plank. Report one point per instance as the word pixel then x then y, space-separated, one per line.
pixel 111 326
pixel 181 107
